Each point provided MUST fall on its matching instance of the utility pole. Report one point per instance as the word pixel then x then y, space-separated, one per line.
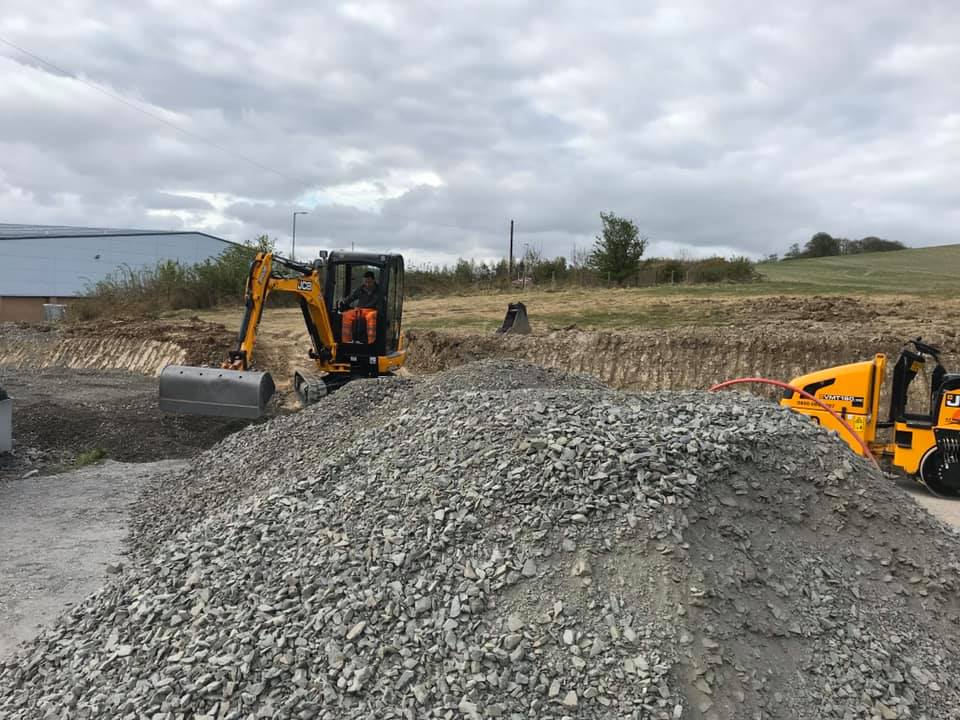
pixel 293 247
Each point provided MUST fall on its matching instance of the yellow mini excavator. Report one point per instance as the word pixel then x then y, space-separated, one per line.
pixel 924 444
pixel 346 343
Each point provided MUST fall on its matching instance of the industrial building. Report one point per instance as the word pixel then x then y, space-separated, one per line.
pixel 50 264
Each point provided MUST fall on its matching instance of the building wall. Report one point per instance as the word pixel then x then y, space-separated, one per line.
pixel 67 266
pixel 30 309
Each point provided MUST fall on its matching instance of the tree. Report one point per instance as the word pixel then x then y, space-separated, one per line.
pixel 532 257
pixel 579 258
pixel 464 273
pixel 225 276
pixel 793 252
pixel 822 245
pixel 875 244
pixel 549 270
pixel 617 251
pixel 850 247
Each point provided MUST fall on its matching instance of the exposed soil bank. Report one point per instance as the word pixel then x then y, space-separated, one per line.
pixel 678 358
pixel 141 346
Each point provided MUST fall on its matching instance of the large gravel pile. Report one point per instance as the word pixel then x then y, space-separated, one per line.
pixel 500 541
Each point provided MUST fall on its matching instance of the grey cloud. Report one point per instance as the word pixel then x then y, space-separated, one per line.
pixel 168 201
pixel 740 125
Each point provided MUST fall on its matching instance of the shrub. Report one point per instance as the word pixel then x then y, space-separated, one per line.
pixel 171 285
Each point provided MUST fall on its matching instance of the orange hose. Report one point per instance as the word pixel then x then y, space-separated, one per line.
pixel 803 393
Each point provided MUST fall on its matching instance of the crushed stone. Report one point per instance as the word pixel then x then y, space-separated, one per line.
pixel 505 541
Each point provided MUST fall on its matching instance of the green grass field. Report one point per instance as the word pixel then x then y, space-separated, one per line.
pixel 914 272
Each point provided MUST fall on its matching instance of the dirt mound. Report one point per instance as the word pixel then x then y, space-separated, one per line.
pixel 540 547
pixel 202 343
pixel 823 309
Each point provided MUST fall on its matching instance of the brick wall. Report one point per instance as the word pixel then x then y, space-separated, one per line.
pixel 28 309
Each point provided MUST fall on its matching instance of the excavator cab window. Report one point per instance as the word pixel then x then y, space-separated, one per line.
pixel 344 274
pixel 364 324
pixel 394 303
pixel 340 283
pixel 349 276
pixel 358 271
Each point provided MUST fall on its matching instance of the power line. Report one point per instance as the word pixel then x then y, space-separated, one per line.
pixel 154 116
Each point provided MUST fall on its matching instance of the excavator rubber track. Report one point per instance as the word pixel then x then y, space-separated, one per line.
pixel 312 387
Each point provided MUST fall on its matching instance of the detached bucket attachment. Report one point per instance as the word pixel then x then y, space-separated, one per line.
pixel 6 423
pixel 516 321
pixel 214 391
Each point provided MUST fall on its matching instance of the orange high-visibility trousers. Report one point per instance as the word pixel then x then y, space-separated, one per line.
pixel 350 316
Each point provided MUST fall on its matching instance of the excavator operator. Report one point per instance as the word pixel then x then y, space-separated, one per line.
pixel 367 298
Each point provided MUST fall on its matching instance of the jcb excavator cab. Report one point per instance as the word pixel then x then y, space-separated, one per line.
pixel 366 344
pixel 344 275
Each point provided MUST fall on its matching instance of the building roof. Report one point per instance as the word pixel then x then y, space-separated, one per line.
pixel 10 231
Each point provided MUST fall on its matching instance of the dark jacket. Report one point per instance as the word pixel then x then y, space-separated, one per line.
pixel 365 299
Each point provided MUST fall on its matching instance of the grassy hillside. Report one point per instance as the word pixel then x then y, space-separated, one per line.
pixel 916 271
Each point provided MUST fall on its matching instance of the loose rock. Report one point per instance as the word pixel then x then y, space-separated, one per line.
pixel 400 550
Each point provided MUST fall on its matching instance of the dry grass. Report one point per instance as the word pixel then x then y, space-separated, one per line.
pixel 587 309
pixel 885 278
pixel 898 292
pixel 613 310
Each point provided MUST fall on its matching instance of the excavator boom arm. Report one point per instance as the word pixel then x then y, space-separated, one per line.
pixel 255 296
pixel 315 316
pixel 260 283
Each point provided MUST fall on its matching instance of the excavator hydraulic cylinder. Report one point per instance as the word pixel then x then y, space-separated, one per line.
pixel 215 391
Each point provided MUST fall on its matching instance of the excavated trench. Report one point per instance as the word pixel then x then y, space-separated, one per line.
pixel 140 346
pixel 83 381
pixel 92 386
pixel 88 390
pixel 680 358
pixel 677 359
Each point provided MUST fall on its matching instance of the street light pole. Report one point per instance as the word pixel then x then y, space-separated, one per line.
pixel 293 248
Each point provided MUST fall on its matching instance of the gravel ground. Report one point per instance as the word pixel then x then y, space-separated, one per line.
pixel 58 536
pixel 943 508
pixel 501 541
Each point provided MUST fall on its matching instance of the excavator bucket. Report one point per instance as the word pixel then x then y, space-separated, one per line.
pixel 516 321
pixel 214 391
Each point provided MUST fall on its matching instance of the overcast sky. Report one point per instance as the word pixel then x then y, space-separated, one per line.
pixel 424 127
